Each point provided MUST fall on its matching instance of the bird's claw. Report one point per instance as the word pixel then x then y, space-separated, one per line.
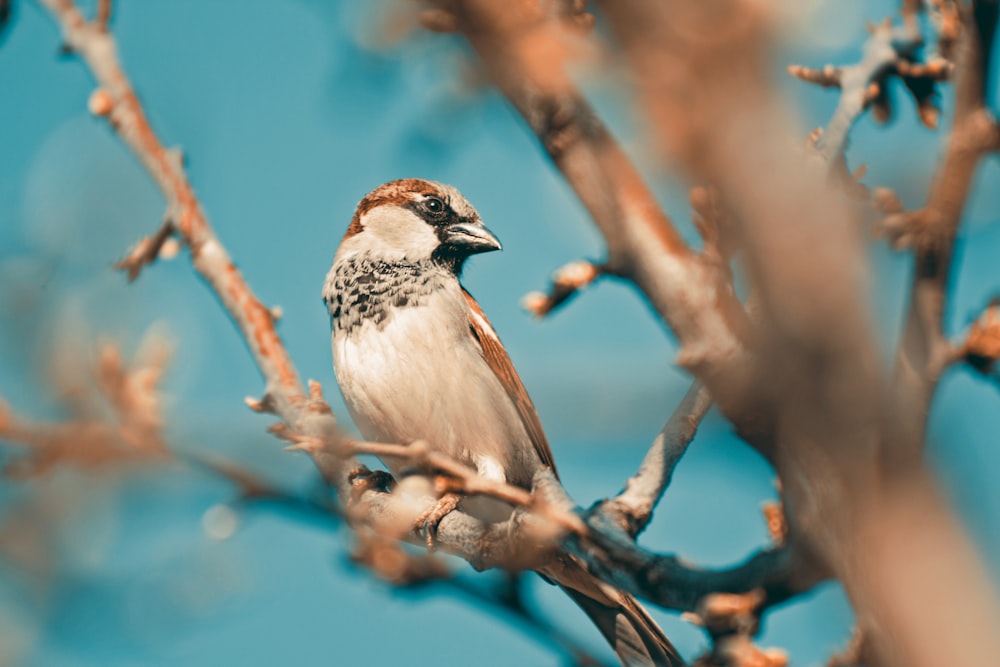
pixel 430 518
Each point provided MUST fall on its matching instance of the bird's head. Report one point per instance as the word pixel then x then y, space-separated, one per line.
pixel 417 220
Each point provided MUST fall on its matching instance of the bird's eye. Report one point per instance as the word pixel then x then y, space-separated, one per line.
pixel 434 205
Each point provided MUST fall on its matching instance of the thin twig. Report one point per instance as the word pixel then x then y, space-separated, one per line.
pixel 462 478
pixel 861 84
pixel 255 322
pixel 981 347
pixel 103 15
pixel 146 251
pixel 924 350
pixel 567 281
pixel 124 423
pixel 672 583
pixel 633 507
pixel 692 295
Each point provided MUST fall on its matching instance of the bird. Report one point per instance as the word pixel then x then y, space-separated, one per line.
pixel 416 359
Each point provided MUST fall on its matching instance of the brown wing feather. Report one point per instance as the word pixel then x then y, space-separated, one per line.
pixel 497 358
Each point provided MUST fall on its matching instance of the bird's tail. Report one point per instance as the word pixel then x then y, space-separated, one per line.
pixel 635 637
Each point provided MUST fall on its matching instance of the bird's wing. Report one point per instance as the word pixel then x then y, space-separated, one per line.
pixel 496 356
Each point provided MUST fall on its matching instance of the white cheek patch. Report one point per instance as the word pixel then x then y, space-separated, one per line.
pixel 398 229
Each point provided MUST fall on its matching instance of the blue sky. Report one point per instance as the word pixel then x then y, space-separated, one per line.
pixel 288 114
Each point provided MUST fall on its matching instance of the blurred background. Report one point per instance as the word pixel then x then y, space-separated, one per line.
pixel 288 114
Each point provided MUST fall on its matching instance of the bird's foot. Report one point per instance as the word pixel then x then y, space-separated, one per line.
pixel 429 520
pixel 361 479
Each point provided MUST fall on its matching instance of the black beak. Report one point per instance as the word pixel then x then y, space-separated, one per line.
pixel 471 238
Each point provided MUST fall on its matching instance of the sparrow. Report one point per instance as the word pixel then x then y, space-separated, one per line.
pixel 417 359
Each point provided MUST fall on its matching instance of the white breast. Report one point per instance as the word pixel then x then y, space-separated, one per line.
pixel 422 376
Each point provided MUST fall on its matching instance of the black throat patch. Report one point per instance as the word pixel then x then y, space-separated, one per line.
pixel 371 290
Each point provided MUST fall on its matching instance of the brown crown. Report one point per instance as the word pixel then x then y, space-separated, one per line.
pixel 394 192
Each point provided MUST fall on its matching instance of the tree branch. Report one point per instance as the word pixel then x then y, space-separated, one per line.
pixel 690 292
pixel 119 104
pixel 889 50
pixel 981 347
pixel 633 507
pixel 704 78
pixel 124 423
pixel 103 15
pixel 924 351
pixel 566 282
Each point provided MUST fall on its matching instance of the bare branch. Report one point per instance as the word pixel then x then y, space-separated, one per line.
pixel 981 347
pixel 505 599
pixel 924 350
pixel 947 20
pixel 147 250
pixel 566 282
pixel 459 478
pixel 120 105
pixel 821 422
pixel 692 295
pixel 852 655
pixel 888 51
pixel 911 9
pixel 128 430
pixel 103 15
pixel 672 583
pixel 732 621
pixel 633 507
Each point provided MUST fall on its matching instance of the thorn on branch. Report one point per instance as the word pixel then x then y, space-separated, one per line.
pixel 265 404
pixel 981 348
pixel 813 138
pixel 849 182
pixel 566 282
pixel 903 229
pixel 947 19
pixel 878 98
pixel 712 220
pixel 300 441
pixel 934 70
pixel 731 621
pixel 726 613
pixel 886 201
pixel 827 77
pixel 924 91
pixel 100 103
pixel 103 15
pixel 889 51
pixel 777 526
pixel 576 17
pixel 437 19
pixel 317 403
pixel 853 653
pixel 148 250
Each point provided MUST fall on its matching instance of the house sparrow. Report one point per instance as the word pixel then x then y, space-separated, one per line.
pixel 416 359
